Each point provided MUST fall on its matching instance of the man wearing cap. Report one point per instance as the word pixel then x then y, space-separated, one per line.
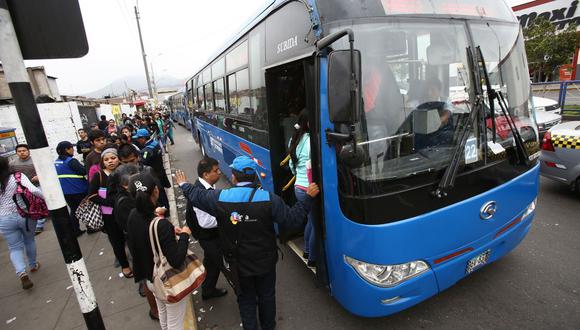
pixel 71 175
pixel 151 155
pixel 246 215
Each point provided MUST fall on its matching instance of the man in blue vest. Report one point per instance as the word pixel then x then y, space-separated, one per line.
pixel 246 215
pixel 71 175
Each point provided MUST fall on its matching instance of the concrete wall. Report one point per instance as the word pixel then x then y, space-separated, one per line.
pixel 59 120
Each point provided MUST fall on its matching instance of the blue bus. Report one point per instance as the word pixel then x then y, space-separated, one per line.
pixel 422 139
pixel 178 111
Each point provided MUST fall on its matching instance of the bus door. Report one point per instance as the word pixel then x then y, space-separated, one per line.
pixel 290 89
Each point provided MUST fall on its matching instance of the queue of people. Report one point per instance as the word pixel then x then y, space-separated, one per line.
pixel 127 181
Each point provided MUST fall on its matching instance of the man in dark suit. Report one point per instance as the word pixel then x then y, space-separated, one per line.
pixel 204 228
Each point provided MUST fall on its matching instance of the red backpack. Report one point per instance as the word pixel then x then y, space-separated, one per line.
pixel 28 205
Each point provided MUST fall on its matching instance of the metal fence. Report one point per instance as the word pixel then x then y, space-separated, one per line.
pixel 567 93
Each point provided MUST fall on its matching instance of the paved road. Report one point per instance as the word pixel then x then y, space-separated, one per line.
pixel 536 286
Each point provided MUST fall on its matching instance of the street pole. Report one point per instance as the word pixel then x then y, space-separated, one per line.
pixel 154 85
pixel 143 53
pixel 19 84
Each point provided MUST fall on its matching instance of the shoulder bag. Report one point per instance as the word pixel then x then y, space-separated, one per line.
pixel 173 284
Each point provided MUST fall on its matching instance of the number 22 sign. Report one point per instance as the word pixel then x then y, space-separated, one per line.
pixel 471 154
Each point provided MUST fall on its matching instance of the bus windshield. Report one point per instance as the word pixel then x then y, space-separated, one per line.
pixel 417 95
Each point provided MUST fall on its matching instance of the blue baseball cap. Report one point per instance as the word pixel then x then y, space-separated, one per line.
pixel 245 165
pixel 141 133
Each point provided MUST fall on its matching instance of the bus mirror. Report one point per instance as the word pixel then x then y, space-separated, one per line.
pixel 352 156
pixel 344 98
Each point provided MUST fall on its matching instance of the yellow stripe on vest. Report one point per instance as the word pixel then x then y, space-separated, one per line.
pixel 71 176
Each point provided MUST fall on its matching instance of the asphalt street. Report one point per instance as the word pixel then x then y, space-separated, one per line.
pixel 536 286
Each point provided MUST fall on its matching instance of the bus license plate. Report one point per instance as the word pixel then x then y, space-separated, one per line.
pixel 477 262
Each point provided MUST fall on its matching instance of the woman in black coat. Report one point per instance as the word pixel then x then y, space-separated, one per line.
pixel 146 193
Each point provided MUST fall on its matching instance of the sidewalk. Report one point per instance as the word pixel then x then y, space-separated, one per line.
pixel 52 304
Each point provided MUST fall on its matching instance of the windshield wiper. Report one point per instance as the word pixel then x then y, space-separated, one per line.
pixel 520 147
pixel 492 94
pixel 448 178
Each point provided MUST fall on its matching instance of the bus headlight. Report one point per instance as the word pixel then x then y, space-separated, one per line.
pixel 387 275
pixel 531 208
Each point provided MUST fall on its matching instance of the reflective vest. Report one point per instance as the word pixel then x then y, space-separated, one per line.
pixel 71 182
pixel 244 217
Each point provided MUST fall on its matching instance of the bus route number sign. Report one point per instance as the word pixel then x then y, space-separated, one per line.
pixel 471 154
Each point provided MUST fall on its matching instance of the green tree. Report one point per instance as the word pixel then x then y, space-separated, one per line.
pixel 548 49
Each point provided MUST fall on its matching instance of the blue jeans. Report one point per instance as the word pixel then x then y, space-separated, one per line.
pixel 309 236
pixel 13 228
pixel 40 222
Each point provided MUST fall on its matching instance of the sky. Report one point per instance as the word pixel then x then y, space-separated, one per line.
pixel 179 37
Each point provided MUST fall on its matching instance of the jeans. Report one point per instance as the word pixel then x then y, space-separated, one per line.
pixel 309 237
pixel 40 222
pixel 258 291
pixel 13 228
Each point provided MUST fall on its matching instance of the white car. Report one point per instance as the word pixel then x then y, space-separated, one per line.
pixel 545 104
pixel 546 120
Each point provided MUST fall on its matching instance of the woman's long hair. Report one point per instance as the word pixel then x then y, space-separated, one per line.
pixel 5 173
pixel 300 131
pixel 141 187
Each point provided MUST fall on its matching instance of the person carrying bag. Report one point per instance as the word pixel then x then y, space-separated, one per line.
pixel 173 284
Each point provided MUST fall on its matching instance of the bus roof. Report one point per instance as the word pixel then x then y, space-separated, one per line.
pixel 268 7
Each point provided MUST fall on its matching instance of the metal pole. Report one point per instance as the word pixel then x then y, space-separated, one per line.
pixel 153 83
pixel 19 84
pixel 143 53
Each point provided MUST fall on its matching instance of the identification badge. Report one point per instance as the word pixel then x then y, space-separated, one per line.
pixel 471 154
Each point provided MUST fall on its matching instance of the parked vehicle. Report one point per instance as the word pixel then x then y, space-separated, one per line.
pixel 545 104
pixel 560 158
pixel 546 120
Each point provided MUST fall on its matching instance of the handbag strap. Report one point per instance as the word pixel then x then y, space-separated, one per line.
pixel 154 238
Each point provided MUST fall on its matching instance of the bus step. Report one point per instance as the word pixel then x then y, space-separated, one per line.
pixel 296 245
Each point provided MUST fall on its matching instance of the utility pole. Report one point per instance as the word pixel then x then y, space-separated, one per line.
pixel 19 84
pixel 154 85
pixel 143 53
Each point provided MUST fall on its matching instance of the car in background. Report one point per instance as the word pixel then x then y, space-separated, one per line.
pixel 545 104
pixel 546 120
pixel 560 157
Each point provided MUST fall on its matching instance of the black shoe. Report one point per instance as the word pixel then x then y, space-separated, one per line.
pixel 80 233
pixel 311 263
pixel 215 294
pixel 305 255
pixel 142 289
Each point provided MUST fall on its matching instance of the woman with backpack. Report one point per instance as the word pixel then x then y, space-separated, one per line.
pixel 103 194
pixel 16 230
pixel 146 193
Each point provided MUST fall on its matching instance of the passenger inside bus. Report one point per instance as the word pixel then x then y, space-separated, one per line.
pixel 383 109
pixel 432 119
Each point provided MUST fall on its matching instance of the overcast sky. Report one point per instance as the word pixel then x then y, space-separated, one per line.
pixel 179 36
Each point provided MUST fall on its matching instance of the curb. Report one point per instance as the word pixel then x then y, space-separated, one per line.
pixel 189 322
